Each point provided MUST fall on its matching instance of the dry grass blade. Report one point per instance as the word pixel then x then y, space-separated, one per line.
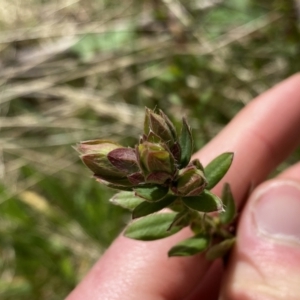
pixel 11 91
pixel 85 98
pixel 237 34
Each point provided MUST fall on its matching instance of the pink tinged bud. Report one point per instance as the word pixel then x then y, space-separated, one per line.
pixel 124 159
pixel 136 178
pixel 101 166
pixel 190 182
pixel 158 177
pixel 159 127
pixel 155 158
pixel 169 123
pixel 95 158
pixel 96 146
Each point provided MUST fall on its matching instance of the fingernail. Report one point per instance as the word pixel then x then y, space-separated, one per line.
pixel 277 211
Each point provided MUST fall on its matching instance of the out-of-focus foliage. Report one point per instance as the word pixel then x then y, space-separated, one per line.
pixel 81 69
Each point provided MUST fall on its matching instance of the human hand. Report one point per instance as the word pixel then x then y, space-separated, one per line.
pixel 265 261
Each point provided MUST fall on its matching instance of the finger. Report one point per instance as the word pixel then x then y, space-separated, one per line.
pixel 138 270
pixel 209 286
pixel 265 263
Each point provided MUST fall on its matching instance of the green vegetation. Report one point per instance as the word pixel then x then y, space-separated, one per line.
pixel 79 70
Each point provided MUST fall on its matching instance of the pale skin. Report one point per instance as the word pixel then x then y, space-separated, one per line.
pixel 262 265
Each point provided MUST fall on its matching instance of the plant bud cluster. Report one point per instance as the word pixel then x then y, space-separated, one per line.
pixel 159 159
pixel 158 173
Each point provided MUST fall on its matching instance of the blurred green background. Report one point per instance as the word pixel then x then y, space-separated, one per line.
pixel 83 69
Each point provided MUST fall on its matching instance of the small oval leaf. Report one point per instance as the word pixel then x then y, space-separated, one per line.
pixel 186 144
pixel 152 227
pixel 126 200
pixel 205 202
pixel 146 208
pixel 191 246
pixel 151 193
pixel 219 250
pixel 182 219
pixel 217 168
pixel 229 213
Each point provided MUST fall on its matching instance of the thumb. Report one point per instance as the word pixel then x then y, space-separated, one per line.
pixel 265 263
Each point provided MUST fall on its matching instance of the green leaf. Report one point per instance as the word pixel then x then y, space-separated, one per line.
pixel 186 144
pixel 205 202
pixel 152 227
pixel 126 200
pixel 229 213
pixel 217 168
pixel 146 208
pixel 177 205
pixel 191 246
pixel 151 193
pixel 219 250
pixel 182 219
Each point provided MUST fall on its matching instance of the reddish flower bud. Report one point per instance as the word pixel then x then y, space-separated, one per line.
pixel 160 125
pixel 191 182
pixel 155 159
pixel 95 156
pixel 124 159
